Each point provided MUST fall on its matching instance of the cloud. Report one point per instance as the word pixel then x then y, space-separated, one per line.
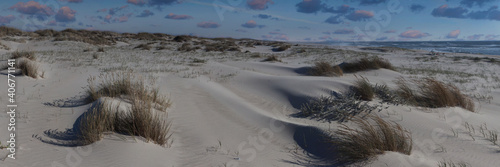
pixel 122 19
pixel 390 31
pixel 491 37
pixel 415 34
pixel 207 24
pixel 382 38
pixel 453 34
pixel 160 2
pixel 360 15
pixel 241 30
pixel 252 24
pixel 263 16
pixel 470 3
pixel 137 2
pixel 267 36
pixel 178 17
pixel 344 31
pixel 146 13
pixel 33 9
pixel 492 14
pixel 281 37
pixel 72 1
pixel 7 19
pixel 343 9
pixel 371 2
pixel 52 23
pixel 258 4
pixel 309 6
pixel 475 37
pixel 334 20
pixel 107 18
pixel 102 10
pixel 416 8
pixel 65 14
pixel 325 37
pixel 445 11
pixel 113 11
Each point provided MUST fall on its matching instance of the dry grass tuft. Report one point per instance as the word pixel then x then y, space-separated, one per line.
pixel 325 69
pixel 281 48
pixel 374 136
pixel 434 94
pixel 28 68
pixel 366 64
pixel 25 54
pixel 272 58
pixel 363 89
pixel 140 121
pixel 123 85
pixel 143 47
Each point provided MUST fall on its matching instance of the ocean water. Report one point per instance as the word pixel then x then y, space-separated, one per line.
pixel 473 47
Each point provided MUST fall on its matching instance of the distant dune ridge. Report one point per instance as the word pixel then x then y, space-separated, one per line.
pixel 98 98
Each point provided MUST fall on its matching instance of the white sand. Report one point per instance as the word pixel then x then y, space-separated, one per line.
pixel 234 110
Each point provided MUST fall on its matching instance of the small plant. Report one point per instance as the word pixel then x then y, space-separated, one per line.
pixel 492 137
pixel 281 48
pixel 95 56
pixel 28 68
pixel 29 55
pixel 2 146
pixel 143 47
pixel 272 58
pixel 372 137
pixel 363 89
pixel 366 64
pixel 325 69
pixel 123 85
pixel 141 120
pixel 433 94
pixel 335 108
pixel 100 49
pixel 445 163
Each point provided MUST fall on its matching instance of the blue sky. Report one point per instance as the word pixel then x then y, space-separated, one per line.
pixel 285 20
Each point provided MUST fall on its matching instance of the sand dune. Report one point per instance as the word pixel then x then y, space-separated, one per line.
pixel 233 109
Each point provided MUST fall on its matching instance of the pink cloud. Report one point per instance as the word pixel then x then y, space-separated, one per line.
pixel 137 2
pixel 6 19
pixel 325 37
pixel 102 10
pixel 107 18
pixel 178 17
pixel 453 34
pixel 250 24
pixel 122 19
pixel 52 23
pixel 475 37
pixel 282 37
pixel 206 24
pixel 33 8
pixel 360 15
pixel 258 4
pixel 491 37
pixel 65 14
pixel 413 34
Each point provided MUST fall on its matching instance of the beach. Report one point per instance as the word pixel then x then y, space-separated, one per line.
pixel 234 102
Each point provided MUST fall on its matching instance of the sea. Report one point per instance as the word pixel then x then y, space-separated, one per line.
pixel 472 47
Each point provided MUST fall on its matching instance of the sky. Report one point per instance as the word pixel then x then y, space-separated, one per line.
pixel 280 20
